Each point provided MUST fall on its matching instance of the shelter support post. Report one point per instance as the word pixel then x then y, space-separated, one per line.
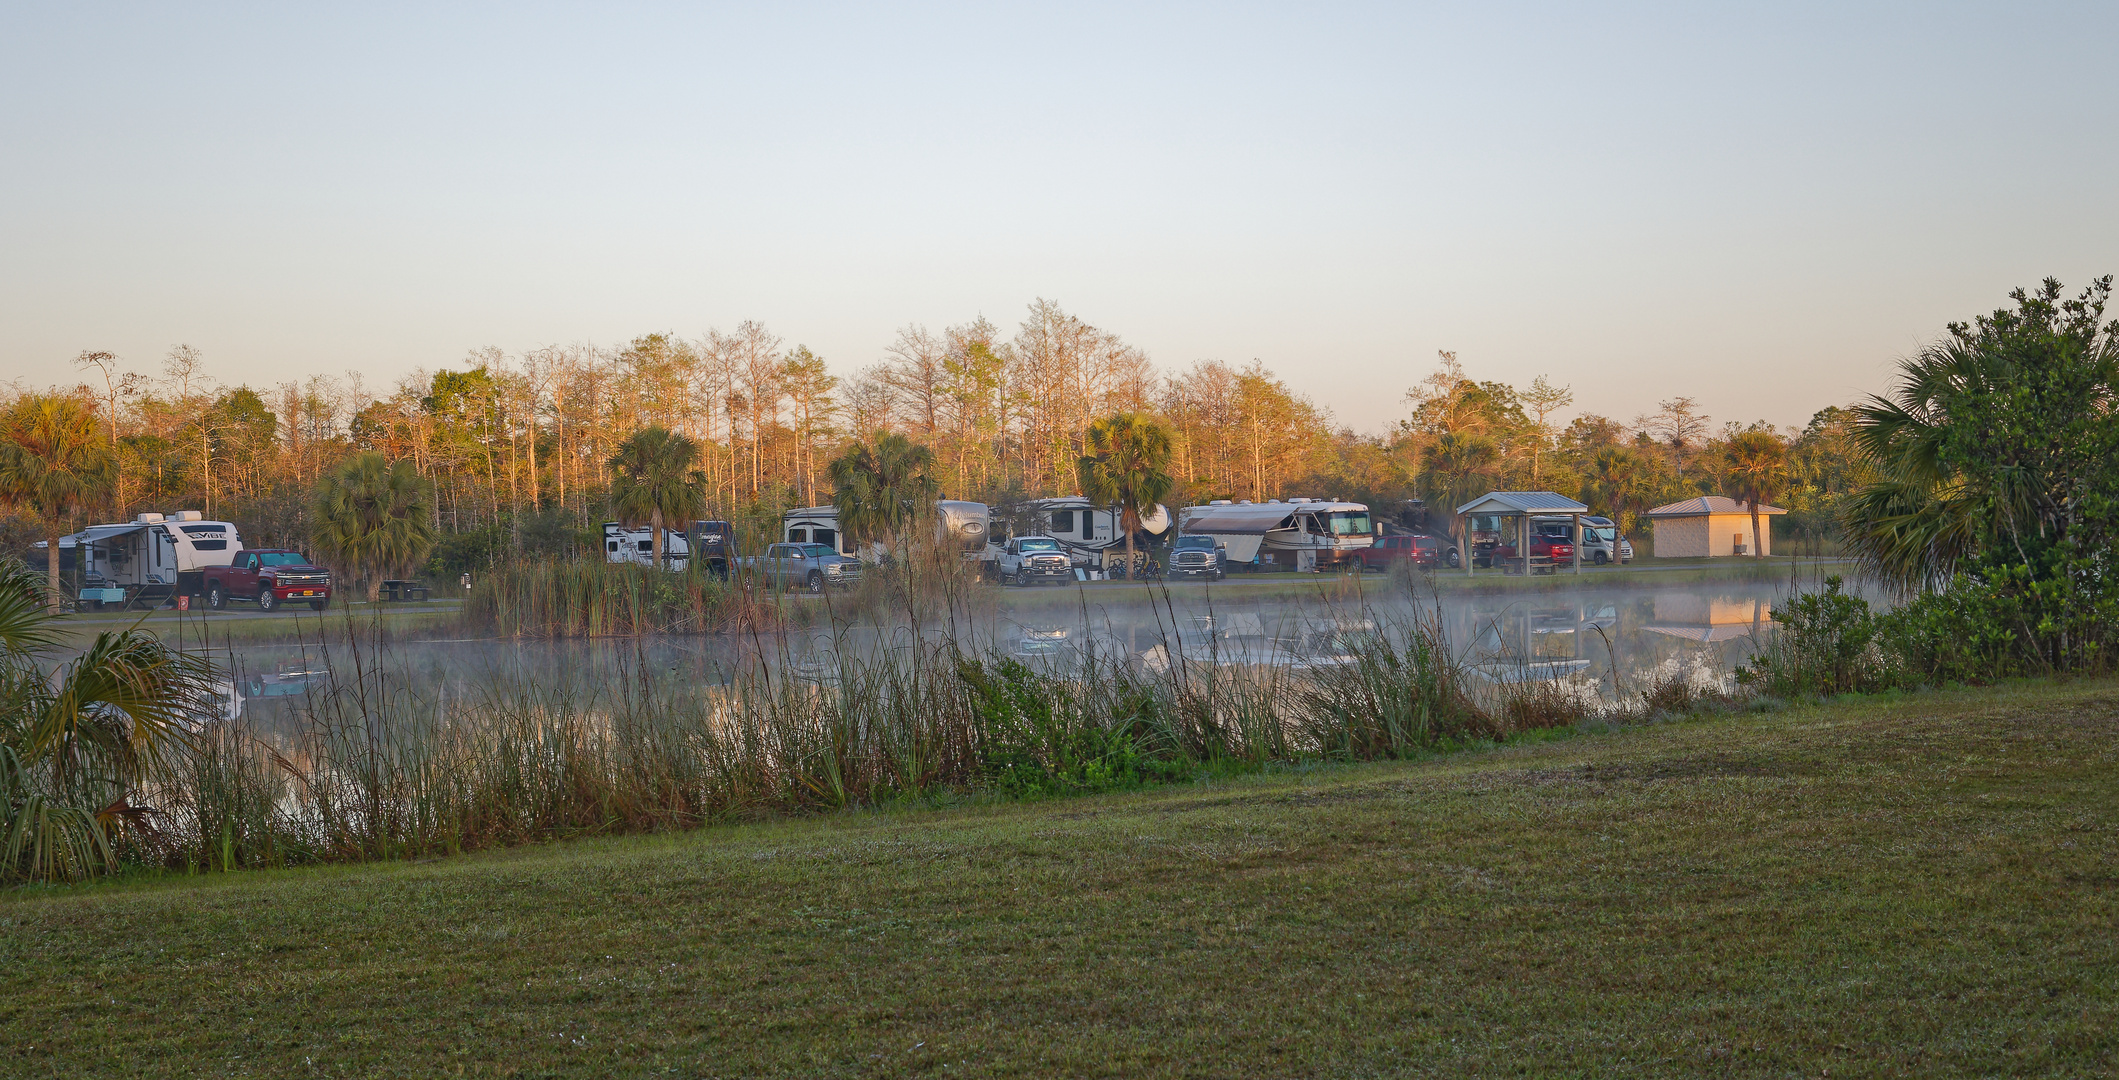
pixel 1578 541
pixel 1524 522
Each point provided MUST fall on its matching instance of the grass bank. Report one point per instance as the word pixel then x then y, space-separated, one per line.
pixel 1912 886
pixel 189 629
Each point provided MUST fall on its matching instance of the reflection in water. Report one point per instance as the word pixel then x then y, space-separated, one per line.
pixel 1595 642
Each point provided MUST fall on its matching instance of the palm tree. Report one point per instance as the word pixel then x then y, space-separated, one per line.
pixel 1127 463
pixel 76 745
pixel 1996 446
pixel 878 486
pixel 1616 479
pixel 52 462
pixel 654 479
pixel 373 518
pixel 1461 467
pixel 1756 469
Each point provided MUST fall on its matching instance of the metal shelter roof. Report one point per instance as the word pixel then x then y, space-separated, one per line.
pixel 1710 504
pixel 1523 502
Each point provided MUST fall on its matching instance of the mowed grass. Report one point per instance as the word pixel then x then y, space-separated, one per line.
pixel 1919 887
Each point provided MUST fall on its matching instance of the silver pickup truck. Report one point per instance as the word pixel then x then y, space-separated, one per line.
pixel 808 566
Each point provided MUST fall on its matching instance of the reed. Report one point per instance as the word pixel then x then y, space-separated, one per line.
pixel 378 765
pixel 593 599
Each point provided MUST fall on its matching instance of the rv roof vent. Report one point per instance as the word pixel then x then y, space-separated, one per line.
pixel 1274 501
pixel 190 515
pixel 150 519
pixel 1243 502
pixel 1298 498
pixel 1222 502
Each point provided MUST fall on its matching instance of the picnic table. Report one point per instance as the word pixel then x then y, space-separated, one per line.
pixel 403 590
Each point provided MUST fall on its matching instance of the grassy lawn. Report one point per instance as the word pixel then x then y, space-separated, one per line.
pixel 1918 887
pixel 247 626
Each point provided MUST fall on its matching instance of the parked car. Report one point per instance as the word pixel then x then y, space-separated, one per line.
pixel 811 566
pixel 1547 548
pixel 1197 556
pixel 1027 559
pixel 269 577
pixel 1422 551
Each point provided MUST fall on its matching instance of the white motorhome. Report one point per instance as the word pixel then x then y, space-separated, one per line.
pixel 627 545
pixel 1083 527
pixel 1302 534
pixel 143 562
pixel 958 524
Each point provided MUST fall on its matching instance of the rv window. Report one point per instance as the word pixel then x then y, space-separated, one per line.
pixel 824 536
pixel 613 545
pixel 1349 522
pixel 1062 521
pixel 209 545
pixel 797 536
pixel 647 545
pixel 1088 525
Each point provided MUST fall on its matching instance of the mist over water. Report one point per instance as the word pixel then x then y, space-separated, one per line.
pixel 1605 641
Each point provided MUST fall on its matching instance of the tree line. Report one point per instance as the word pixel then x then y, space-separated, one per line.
pixel 518 446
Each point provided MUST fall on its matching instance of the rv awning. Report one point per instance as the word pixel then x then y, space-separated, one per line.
pixel 1254 520
pixel 95 534
pixel 1522 502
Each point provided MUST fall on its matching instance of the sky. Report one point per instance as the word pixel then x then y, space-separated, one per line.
pixel 1761 209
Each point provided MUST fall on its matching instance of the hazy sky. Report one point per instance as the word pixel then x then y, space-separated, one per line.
pixel 1761 209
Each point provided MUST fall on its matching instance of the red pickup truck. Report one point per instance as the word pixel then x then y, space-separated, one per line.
pixel 269 576
pixel 1547 550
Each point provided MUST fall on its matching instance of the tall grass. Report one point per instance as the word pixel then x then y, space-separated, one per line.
pixel 592 599
pixel 381 766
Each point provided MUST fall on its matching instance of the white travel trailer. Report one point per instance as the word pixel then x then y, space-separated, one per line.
pixel 962 525
pixel 1083 527
pixel 143 562
pixel 1302 534
pixel 625 545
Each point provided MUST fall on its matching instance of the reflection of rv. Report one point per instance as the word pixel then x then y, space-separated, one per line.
pixel 637 546
pixel 143 562
pixel 1082 526
pixel 1301 534
pixel 961 525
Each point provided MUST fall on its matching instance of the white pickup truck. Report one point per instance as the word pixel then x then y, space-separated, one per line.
pixel 808 566
pixel 1026 559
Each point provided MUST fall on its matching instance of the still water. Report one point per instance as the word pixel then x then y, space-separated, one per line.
pixel 1602 641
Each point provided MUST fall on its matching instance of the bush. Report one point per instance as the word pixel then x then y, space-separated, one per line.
pixel 1826 644
pixel 2005 623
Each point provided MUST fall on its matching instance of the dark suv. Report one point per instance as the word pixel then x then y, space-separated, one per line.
pixel 1198 557
pixel 1421 551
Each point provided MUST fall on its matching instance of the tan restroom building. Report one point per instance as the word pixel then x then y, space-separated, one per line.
pixel 1710 525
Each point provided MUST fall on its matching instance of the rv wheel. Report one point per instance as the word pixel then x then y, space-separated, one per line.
pixel 1602 558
